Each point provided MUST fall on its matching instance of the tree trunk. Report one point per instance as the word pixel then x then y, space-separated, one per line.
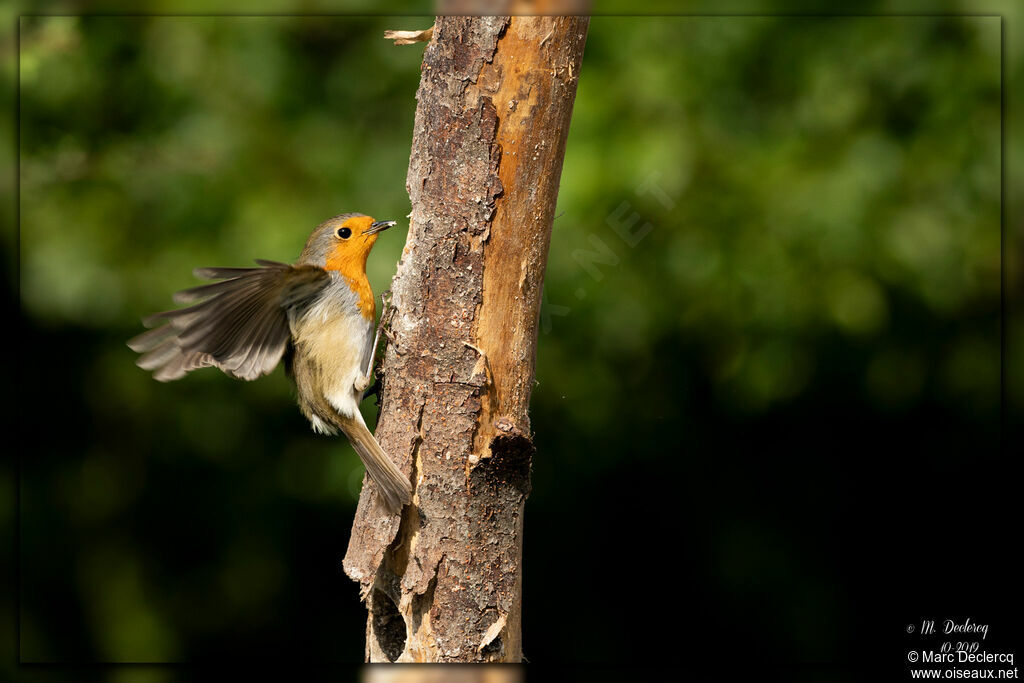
pixel 442 581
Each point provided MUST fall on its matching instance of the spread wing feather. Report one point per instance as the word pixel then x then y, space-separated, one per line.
pixel 239 324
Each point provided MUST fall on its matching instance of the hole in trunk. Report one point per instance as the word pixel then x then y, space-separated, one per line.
pixel 388 626
pixel 495 647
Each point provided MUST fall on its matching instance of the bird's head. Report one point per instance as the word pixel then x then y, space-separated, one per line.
pixel 343 243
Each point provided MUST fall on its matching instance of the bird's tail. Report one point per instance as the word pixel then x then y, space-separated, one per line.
pixel 392 485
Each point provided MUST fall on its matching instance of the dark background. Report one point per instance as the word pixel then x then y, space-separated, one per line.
pixel 768 433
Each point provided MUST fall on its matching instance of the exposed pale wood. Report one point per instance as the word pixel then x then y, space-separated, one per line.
pixel 443 581
pixel 409 37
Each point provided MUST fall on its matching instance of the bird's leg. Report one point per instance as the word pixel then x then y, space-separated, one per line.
pixel 385 320
pixel 377 390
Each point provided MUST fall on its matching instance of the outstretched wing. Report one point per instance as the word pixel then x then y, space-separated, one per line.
pixel 240 324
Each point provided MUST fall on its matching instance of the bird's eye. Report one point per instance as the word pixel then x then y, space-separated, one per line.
pixel 344 233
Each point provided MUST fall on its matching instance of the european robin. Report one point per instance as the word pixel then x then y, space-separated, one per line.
pixel 318 315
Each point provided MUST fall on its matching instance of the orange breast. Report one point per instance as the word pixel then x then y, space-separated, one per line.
pixel 361 286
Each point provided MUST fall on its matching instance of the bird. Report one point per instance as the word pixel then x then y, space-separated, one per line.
pixel 317 315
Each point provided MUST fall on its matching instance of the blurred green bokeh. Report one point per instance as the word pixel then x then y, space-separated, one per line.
pixel 757 216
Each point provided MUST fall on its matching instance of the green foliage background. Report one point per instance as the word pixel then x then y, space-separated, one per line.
pixel 823 245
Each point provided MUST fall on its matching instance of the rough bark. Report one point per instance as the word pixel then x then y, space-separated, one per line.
pixel 443 580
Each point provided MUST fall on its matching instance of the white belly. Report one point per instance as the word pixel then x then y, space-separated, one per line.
pixel 339 340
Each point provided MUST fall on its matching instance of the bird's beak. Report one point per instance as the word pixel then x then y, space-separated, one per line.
pixel 380 226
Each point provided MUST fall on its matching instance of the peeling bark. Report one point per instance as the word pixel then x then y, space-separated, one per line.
pixel 443 580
